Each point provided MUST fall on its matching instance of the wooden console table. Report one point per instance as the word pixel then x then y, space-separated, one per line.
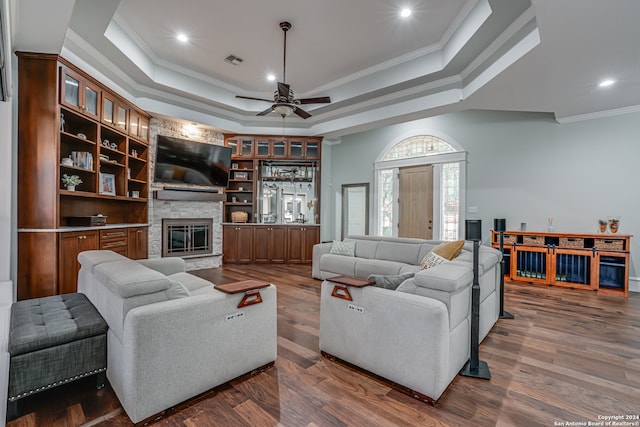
pixel 596 262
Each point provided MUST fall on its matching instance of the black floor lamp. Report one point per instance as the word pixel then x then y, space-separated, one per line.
pixel 475 367
pixel 500 225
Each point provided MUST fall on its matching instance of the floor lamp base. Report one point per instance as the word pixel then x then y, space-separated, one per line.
pixel 481 372
pixel 506 315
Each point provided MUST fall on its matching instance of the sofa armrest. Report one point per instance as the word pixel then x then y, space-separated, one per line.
pixel 166 266
pixel 319 249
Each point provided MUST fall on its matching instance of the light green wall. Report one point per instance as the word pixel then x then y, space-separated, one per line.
pixel 524 167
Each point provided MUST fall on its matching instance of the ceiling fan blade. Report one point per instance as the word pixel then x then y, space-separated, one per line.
pixel 300 112
pixel 283 90
pixel 265 112
pixel 319 100
pixel 255 99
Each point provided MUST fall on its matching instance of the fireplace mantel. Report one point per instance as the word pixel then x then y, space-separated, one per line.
pixel 187 195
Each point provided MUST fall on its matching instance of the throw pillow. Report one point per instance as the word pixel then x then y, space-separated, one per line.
pixel 343 248
pixel 391 281
pixel 445 251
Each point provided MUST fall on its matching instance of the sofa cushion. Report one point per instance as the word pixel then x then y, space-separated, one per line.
pixel 365 248
pixel 391 281
pixel 431 260
pixel 405 252
pixel 91 259
pixel 346 248
pixel 129 278
pixel 444 251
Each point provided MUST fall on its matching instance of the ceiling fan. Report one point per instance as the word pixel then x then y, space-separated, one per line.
pixel 284 102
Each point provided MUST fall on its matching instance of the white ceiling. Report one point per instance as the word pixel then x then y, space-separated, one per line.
pixel 538 55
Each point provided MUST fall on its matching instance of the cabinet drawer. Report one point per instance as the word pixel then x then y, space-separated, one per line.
pixel 533 240
pixel 609 244
pixel 111 244
pixel 113 234
pixel 509 239
pixel 572 242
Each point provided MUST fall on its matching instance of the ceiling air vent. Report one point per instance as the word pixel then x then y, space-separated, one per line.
pixel 234 59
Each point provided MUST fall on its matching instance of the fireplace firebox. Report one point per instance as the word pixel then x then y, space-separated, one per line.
pixel 186 236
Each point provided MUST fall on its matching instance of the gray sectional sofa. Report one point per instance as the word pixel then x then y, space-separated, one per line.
pixel 172 335
pixel 418 335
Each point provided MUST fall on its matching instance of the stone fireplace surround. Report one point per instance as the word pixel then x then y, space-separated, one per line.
pixel 180 209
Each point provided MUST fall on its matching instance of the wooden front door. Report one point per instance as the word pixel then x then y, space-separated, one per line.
pixel 415 202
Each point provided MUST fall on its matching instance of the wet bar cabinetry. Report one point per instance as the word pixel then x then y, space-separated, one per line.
pixel 268 243
pixel 272 203
pixel 596 262
pixel 71 124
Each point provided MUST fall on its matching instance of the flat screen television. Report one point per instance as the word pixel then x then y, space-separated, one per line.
pixel 180 161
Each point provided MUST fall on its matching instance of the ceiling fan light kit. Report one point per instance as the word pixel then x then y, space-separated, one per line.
pixel 284 101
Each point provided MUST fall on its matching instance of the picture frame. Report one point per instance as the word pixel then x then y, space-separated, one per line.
pixel 234 166
pixel 241 176
pixel 107 184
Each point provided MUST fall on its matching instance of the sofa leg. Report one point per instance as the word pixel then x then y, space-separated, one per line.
pixel 328 356
pixel 13 410
pixel 101 379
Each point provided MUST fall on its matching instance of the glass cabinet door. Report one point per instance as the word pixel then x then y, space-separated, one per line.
pixel 246 147
pixel 279 149
pixel 108 111
pixel 295 149
pixel 121 117
pixel 312 150
pixel 71 91
pixel 91 100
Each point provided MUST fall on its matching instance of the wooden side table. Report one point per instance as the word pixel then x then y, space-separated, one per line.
pixel 249 287
pixel 341 290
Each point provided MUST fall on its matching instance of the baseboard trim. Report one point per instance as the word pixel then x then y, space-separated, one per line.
pixel 634 284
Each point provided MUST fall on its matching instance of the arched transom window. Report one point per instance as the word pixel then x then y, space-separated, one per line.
pixel 418 146
pixel 445 162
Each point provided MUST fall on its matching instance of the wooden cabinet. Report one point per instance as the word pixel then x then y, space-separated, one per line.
pixel 79 93
pixel 237 244
pixel 274 243
pixel 595 262
pixel 262 166
pixel 114 112
pixel 271 148
pixel 301 240
pixel 71 124
pixel 138 126
pixel 300 148
pixel 70 245
pixel 269 244
pixel 138 245
pixel 241 146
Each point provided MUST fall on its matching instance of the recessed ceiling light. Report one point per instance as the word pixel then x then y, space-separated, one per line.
pixel 606 83
pixel 271 78
pixel 405 13
pixel 182 37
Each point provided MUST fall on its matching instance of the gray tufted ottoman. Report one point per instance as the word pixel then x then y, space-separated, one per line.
pixel 52 341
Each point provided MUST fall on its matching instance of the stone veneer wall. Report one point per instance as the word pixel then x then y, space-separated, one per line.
pixel 180 209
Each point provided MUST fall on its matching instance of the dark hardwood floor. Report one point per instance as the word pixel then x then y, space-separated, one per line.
pixel 567 356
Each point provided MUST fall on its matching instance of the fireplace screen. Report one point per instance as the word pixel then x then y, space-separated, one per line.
pixel 186 237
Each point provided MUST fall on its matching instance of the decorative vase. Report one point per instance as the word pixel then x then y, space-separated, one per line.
pixel 602 224
pixel 71 187
pixel 614 223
